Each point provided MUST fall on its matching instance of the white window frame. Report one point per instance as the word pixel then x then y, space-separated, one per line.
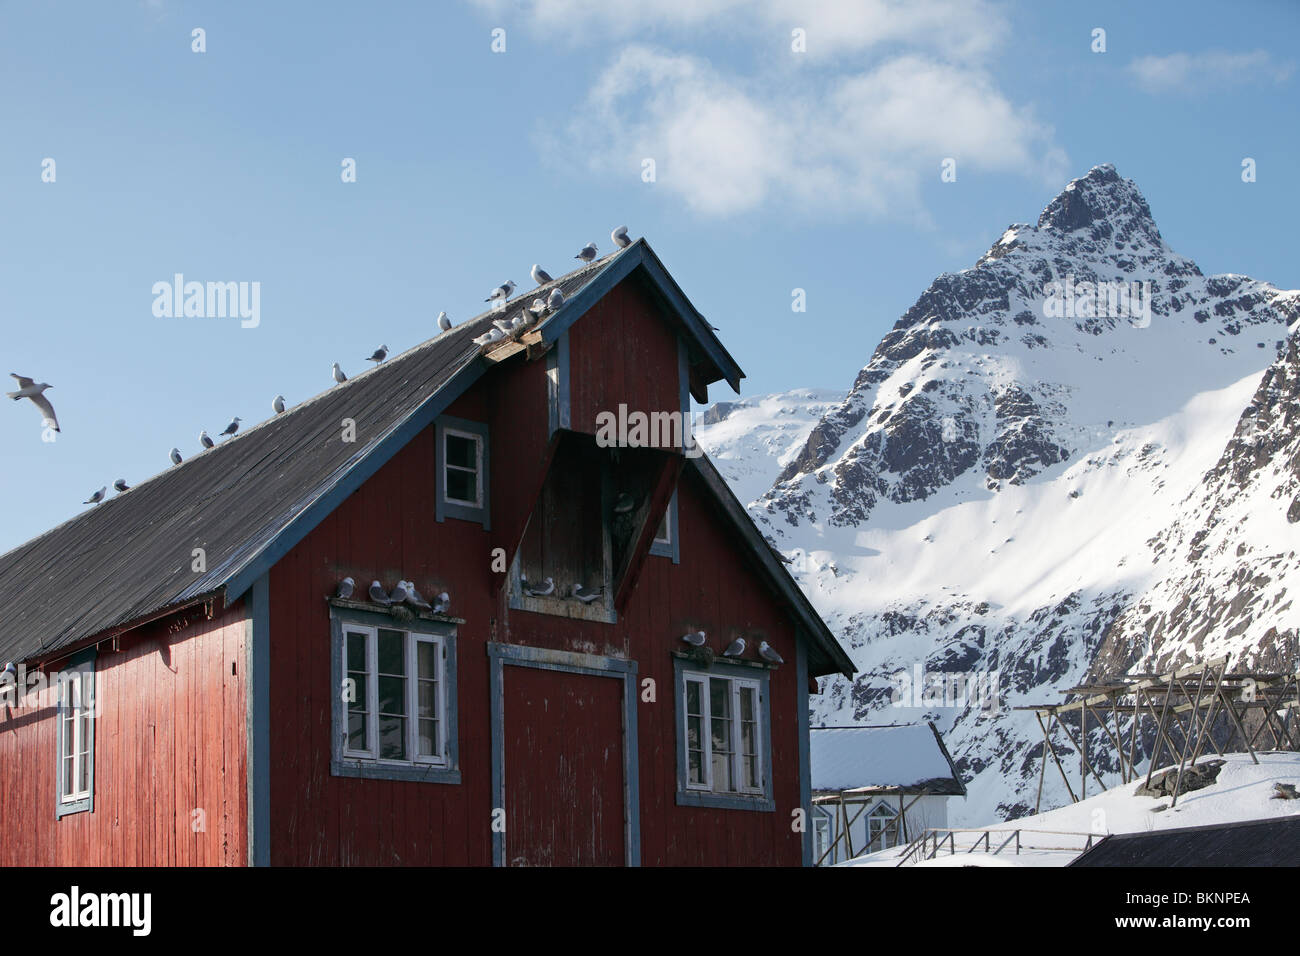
pixel 76 696
pixel 447 467
pixel 736 683
pixel 411 640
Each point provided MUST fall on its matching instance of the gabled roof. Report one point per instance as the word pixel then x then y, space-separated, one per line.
pixel 1274 842
pixel 899 757
pixel 248 501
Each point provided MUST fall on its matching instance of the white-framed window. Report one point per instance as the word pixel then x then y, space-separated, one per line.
pixel 463 472
pixel 882 828
pixel 724 731
pixel 76 737
pixel 821 837
pixel 665 542
pixel 395 695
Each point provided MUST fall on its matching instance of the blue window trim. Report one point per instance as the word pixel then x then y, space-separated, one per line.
pixel 687 797
pixel 87 803
pixel 673 549
pixel 571 663
pixel 558 410
pixel 343 766
pixel 450 509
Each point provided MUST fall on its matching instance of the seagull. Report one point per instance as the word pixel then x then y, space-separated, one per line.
pixel 378 355
pixel 413 597
pixel 399 594
pixel 540 275
pixel 378 594
pixel 539 590
pixel 233 426
pixel 769 654
pixel 538 308
pixel 444 323
pixel 443 603
pixel 346 587
pixel 735 648
pixel 584 595
pixel 695 639
pixel 120 486
pixel 36 392
pixel 10 669
pixel 555 301
pixel 502 292
pixel 338 374
pixel 587 253
pixel 277 404
pixel 491 335
pixel 518 322
pixel 97 497
pixel 204 440
pixel 176 456
pixel 505 325
pixel 620 238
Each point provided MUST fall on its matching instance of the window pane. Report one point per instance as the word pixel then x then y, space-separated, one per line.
pixel 392 695
pixel 695 763
pixel 693 697
pixel 83 772
pixel 720 738
pixel 428 738
pixel 427 659
pixel 67 775
pixel 462 485
pixel 462 452
pixel 748 739
pixel 392 652
pixel 661 535
pixel 428 702
pixel 392 738
pixel 356 657
pixel 357 726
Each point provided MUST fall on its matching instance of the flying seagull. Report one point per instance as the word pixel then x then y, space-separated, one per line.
pixel 204 440
pixel 120 486
pixel 346 587
pixel 444 323
pixel 378 594
pixel 378 355
pixel 587 253
pixel 735 648
pixel 555 300
pixel 540 590
pixel 502 292
pixel 620 238
pixel 35 391
pixel 585 595
pixel 695 639
pixel 277 404
pixel 233 426
pixel 769 654
pixel 338 374
pixel 176 456
pixel 97 497
pixel 540 275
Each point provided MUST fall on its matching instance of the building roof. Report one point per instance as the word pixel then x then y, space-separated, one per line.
pixel 248 501
pixel 907 758
pixel 1273 842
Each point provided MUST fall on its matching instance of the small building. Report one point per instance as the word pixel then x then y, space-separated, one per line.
pixel 193 686
pixel 876 787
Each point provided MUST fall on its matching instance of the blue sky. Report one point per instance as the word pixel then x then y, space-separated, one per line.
pixel 775 170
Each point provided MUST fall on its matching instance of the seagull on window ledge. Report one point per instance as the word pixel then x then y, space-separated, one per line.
pixel 695 639
pixel 35 391
pixel 735 648
pixel 585 595
pixel 769 654
pixel 442 604
pixel 378 595
pixel 399 594
pixel 413 597
pixel 545 589
pixel 346 587
pixel 540 275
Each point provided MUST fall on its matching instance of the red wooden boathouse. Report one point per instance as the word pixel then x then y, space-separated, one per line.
pixel 194 691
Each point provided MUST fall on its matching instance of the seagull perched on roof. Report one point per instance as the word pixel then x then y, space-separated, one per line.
pixel 97 497
pixel 769 654
pixel 176 456
pixel 120 486
pixel 505 325
pixel 378 355
pixel 444 323
pixel 735 648
pixel 537 308
pixel 695 639
pixel 539 590
pixel 540 275
pixel 587 253
pixel 555 300
pixel 205 440
pixel 346 587
pixel 585 595
pixel 233 426
pixel 338 374
pixel 277 404
pixel 620 238
pixel 502 292
pixel 491 335
pixel 36 392
pixel 378 594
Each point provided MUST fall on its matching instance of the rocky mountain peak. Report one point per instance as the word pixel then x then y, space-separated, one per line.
pixel 1104 204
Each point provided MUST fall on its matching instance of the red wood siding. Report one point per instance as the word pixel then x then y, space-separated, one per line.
pixel 169 739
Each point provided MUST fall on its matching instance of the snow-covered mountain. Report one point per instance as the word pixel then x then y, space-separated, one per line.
pixel 1066 459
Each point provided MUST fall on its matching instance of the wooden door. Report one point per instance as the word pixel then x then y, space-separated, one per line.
pixel 563 773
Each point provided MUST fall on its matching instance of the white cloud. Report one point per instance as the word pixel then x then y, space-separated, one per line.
pixel 863 141
pixel 1185 72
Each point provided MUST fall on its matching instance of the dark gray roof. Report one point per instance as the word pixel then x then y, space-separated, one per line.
pixel 1274 842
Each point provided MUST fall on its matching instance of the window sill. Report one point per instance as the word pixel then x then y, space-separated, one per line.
pixel 84 805
pixel 725 801
pixel 371 770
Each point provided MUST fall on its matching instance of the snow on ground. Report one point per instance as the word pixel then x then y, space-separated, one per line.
pixel 1243 791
